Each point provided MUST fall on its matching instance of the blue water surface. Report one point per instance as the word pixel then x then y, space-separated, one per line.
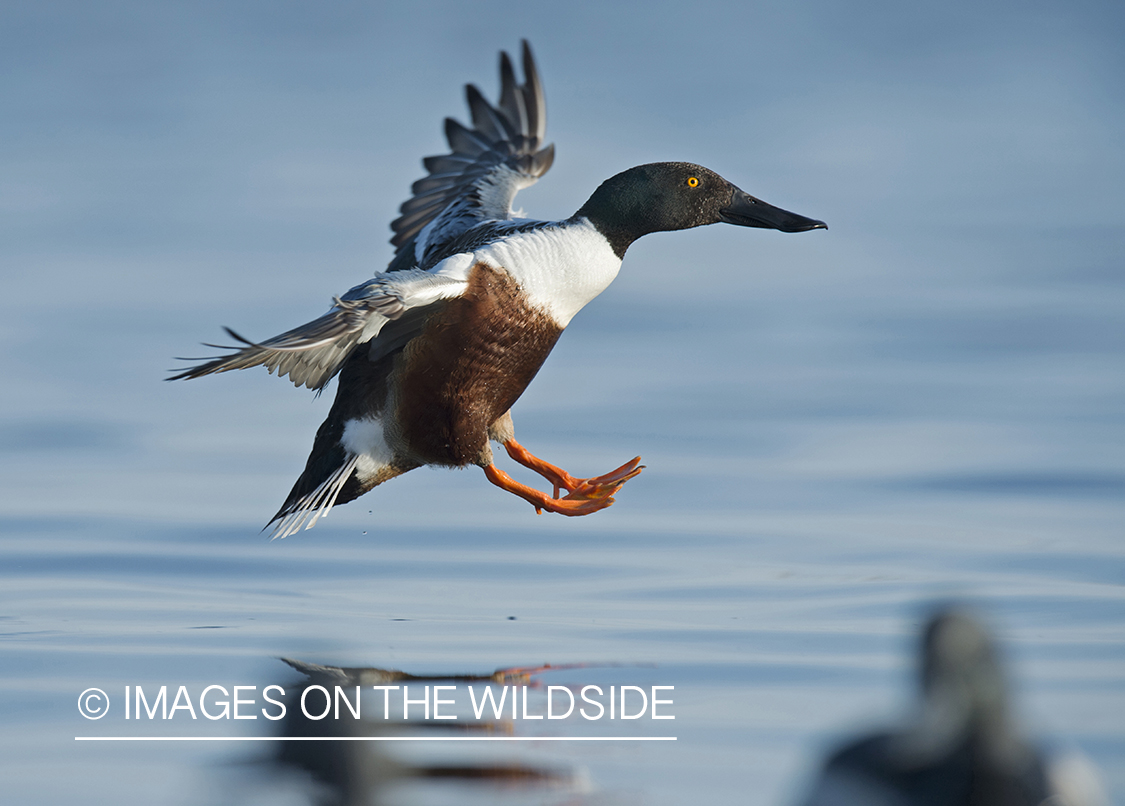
pixel 840 428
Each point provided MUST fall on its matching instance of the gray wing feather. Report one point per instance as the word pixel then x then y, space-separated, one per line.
pixel 314 352
pixel 310 354
pixel 475 183
pixel 465 141
pixel 490 122
pixel 490 162
pixel 511 96
pixel 534 100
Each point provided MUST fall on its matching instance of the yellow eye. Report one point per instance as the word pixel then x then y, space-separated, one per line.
pixel 692 182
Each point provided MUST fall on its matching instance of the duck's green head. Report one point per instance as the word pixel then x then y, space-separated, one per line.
pixel 664 196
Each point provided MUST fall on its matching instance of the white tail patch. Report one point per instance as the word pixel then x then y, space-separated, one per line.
pixel 317 504
pixel 364 437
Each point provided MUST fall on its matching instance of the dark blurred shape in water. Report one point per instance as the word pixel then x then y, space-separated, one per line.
pixel 353 771
pixel 370 675
pixel 962 748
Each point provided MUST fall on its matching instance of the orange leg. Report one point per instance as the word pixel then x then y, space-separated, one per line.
pixel 593 488
pixel 540 500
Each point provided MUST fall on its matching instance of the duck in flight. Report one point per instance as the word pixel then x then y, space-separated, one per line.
pixel 433 352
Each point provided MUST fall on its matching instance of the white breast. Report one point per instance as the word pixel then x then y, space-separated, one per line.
pixel 560 268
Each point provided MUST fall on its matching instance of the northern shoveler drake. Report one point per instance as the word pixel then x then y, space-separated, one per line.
pixel 963 747
pixel 433 352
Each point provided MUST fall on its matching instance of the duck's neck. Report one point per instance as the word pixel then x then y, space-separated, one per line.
pixel 618 214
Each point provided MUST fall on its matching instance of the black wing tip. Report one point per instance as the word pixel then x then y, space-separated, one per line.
pixel 530 68
pixel 198 371
pixel 211 362
pixel 473 95
pixel 512 130
pixel 531 90
pixel 237 337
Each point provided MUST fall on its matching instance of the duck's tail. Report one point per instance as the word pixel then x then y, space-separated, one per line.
pixel 302 510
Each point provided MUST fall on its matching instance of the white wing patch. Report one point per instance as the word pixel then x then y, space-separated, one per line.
pixel 314 352
pixel 391 293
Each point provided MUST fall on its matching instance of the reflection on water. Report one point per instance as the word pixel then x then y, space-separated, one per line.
pixel 348 764
pixel 358 735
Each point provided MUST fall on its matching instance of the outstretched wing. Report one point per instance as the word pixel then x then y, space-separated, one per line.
pixel 312 353
pixel 502 153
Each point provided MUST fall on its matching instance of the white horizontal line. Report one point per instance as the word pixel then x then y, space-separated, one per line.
pixel 374 738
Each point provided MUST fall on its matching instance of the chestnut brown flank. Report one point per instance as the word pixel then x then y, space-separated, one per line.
pixel 467 368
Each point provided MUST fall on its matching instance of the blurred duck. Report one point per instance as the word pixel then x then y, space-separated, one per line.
pixel 963 748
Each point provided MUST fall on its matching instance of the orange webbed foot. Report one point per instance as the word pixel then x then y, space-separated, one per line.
pixel 604 485
pixel 541 501
pixel 598 490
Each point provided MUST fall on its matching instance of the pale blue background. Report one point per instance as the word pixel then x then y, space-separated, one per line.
pixel 923 402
